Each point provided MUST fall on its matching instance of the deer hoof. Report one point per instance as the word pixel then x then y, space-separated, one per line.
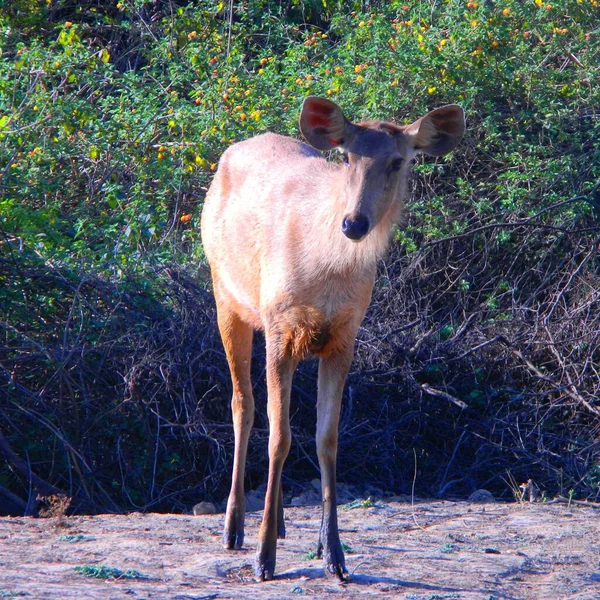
pixel 281 531
pixel 337 570
pixel 263 571
pixel 233 540
pixel 264 567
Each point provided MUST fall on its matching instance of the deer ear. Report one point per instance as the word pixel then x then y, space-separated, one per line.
pixel 323 124
pixel 439 131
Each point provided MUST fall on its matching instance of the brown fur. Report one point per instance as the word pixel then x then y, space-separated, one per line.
pixel 292 241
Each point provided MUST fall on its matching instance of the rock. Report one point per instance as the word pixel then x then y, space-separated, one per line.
pixel 482 496
pixel 204 508
pixel 306 498
pixel 255 500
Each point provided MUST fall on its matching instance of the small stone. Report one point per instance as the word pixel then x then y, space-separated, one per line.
pixel 255 500
pixel 306 498
pixel 204 508
pixel 482 497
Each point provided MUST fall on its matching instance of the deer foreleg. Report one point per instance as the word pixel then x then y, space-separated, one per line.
pixel 280 369
pixel 332 375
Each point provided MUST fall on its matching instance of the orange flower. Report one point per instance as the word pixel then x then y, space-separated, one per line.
pixel 185 218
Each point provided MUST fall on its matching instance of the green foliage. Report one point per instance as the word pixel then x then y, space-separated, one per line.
pixel 363 503
pixel 104 572
pixel 347 549
pixel 79 537
pixel 448 548
pixel 108 141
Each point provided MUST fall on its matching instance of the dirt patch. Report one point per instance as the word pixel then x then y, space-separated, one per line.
pixel 429 551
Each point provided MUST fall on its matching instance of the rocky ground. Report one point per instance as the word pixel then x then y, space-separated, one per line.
pixel 395 549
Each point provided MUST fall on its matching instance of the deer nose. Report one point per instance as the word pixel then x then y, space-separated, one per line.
pixel 356 228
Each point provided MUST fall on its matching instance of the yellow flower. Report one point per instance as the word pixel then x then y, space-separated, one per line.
pixel 360 79
pixel 431 89
pixel 473 23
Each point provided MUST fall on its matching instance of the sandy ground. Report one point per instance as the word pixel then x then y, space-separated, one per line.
pixel 429 551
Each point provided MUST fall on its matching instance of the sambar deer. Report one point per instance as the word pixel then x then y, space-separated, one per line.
pixel 292 240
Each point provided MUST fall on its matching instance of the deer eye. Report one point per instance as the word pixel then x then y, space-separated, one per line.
pixel 345 159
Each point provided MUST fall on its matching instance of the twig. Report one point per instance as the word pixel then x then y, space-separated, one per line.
pixel 439 393
pixel 20 465
pixel 573 395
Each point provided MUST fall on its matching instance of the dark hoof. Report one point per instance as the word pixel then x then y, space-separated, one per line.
pixel 263 571
pixel 334 562
pixel 233 540
pixel 281 531
pixel 337 570
pixel 264 566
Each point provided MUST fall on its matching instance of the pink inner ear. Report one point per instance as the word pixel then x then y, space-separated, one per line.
pixel 313 120
pixel 448 120
pixel 323 107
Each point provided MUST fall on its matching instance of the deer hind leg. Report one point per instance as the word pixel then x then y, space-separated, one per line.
pixel 237 340
pixel 280 369
pixel 333 370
